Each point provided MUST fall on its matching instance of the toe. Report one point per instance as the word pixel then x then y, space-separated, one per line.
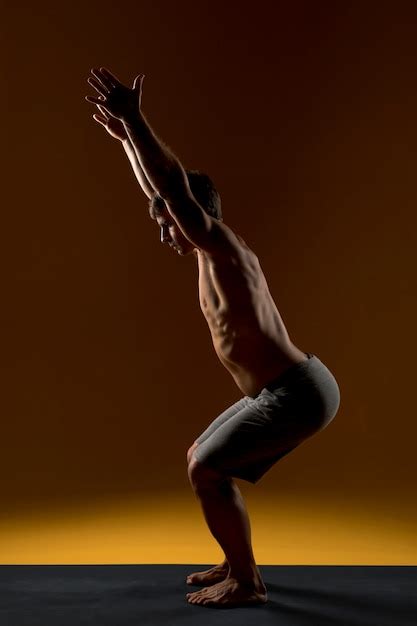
pixel 194 597
pixel 204 591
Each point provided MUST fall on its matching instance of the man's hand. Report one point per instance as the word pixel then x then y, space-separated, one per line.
pixel 118 100
pixel 113 126
pixel 159 166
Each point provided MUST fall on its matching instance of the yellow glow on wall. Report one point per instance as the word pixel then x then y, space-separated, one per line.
pixel 291 530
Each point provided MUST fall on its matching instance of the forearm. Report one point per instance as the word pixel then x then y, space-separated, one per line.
pixel 137 168
pixel 160 166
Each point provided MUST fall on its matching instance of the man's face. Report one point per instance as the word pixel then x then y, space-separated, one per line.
pixel 171 233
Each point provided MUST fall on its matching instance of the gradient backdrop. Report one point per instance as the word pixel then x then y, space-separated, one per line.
pixel 304 114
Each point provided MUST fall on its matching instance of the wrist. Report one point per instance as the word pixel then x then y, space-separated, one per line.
pixel 133 119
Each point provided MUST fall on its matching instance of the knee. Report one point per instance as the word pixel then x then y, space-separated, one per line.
pixel 202 476
pixel 194 469
pixel 191 451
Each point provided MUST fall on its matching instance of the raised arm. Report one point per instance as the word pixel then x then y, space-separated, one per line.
pixel 161 167
pixel 137 168
pixel 167 175
pixel 116 129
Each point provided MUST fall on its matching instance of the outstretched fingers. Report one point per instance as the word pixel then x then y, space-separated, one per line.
pixel 101 78
pixel 99 118
pixel 110 78
pixel 103 111
pixel 117 100
pixel 97 86
pixel 95 100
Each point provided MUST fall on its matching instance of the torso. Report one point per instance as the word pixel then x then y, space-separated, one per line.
pixel 247 330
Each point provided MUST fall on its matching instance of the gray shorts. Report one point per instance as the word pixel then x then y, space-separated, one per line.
pixel 249 437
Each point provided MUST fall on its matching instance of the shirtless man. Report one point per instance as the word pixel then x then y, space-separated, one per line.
pixel 289 395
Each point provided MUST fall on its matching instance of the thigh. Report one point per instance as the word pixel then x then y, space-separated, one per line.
pixel 258 434
pixel 222 419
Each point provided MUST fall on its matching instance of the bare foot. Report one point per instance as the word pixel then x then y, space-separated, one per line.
pixel 230 592
pixel 209 576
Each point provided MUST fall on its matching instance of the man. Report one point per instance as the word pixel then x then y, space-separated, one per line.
pixel 289 395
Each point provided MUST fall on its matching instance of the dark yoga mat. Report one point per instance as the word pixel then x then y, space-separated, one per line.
pixel 149 595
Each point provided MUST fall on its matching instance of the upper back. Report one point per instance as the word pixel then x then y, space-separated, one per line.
pixel 227 243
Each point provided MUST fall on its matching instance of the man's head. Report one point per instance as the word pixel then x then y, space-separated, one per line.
pixel 206 195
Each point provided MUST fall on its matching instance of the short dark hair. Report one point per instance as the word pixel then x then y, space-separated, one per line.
pixel 203 190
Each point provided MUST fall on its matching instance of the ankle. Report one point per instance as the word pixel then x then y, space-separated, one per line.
pixel 249 577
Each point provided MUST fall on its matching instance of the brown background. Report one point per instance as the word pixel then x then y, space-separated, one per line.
pixel 304 114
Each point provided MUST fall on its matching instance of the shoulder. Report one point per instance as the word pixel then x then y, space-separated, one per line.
pixel 225 242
